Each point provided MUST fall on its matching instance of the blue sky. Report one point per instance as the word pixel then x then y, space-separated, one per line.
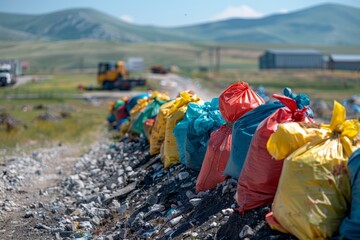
pixel 170 13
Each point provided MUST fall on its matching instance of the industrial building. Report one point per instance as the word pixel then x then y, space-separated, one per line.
pixel 291 59
pixel 344 62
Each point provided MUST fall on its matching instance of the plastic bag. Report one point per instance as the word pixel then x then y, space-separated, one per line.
pixel 150 111
pixel 350 226
pixel 260 174
pixel 243 131
pixel 148 126
pixel 121 113
pixel 158 132
pixel 234 102
pixel 161 96
pixel 124 127
pixel 134 100
pixel 314 193
pixel 237 100
pixel 207 119
pixel 136 110
pixel 288 137
pixel 176 114
pixel 181 128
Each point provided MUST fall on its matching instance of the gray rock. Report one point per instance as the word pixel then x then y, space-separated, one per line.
pixel 246 232
pixel 176 220
pixel 96 220
pixel 213 224
pixel 195 201
pixel 59 170
pixel 227 211
pixel 152 199
pixel 190 194
pixel 28 214
pixel 186 185
pixel 168 231
pixel 183 175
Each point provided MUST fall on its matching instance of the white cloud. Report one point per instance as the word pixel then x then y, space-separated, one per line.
pixel 242 11
pixel 283 11
pixel 127 18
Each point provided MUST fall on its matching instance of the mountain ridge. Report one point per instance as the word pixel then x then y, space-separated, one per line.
pixel 322 24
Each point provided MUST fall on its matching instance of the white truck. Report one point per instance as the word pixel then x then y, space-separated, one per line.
pixel 9 71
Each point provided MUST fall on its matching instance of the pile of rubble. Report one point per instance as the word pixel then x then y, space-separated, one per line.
pixel 117 191
pixel 50 116
pixel 10 123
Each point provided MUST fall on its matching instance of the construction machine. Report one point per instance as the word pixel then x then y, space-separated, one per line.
pixel 113 75
pixel 158 69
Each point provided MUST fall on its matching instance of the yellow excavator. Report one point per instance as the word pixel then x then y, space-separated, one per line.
pixel 113 75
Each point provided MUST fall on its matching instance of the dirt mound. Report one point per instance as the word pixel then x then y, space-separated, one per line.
pixel 10 123
pixel 49 116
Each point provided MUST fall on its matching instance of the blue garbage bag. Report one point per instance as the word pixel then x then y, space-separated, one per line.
pixel 193 111
pixel 350 226
pixel 121 122
pixel 133 101
pixel 206 120
pixel 242 132
pixel 111 118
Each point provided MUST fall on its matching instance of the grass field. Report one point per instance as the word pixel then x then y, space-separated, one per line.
pixel 60 56
pixel 62 83
pixel 85 123
pixel 326 85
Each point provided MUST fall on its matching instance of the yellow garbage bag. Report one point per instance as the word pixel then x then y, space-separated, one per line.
pixel 176 114
pixel 171 154
pixel 313 194
pixel 158 132
pixel 161 96
pixel 124 128
pixel 288 137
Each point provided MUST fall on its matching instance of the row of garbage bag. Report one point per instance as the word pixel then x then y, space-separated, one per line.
pixel 276 151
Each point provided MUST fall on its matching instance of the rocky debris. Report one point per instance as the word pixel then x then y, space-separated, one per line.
pixel 119 191
pixel 20 173
pixel 39 106
pixel 49 116
pixel 10 123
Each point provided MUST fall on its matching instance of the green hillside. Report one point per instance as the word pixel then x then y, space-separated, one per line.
pixel 53 56
pixel 324 24
pixel 83 24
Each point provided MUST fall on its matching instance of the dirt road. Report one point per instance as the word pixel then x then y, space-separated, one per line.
pixel 173 84
pixel 29 78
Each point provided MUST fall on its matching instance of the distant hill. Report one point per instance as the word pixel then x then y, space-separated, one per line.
pixel 323 24
pixel 80 24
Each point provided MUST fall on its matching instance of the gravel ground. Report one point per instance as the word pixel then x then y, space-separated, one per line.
pixel 118 191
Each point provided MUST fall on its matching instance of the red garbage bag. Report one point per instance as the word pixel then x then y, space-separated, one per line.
pixel 121 113
pixel 260 175
pixel 234 102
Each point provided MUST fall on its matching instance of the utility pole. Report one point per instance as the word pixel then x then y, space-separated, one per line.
pixel 211 62
pixel 218 57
